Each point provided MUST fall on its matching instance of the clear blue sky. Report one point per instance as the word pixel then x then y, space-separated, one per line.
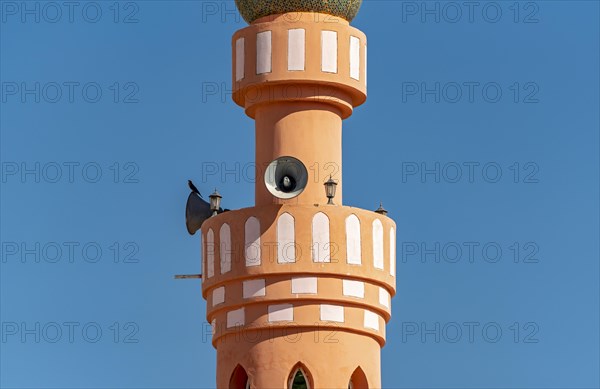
pixel 82 173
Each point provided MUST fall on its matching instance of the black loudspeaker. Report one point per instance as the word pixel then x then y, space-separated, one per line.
pixel 196 212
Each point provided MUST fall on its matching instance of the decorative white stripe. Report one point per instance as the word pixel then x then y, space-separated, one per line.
pixel 393 252
pixel 236 318
pixel 263 52
pixel 281 312
pixel 240 58
pixel 296 49
pixel 332 313
pixel 355 57
pixel 218 296
pixel 225 248
pixel 254 288
pixel 203 261
pixel 304 285
pixel 210 253
pixel 321 246
pixel 286 245
pixel 384 297
pixel 329 47
pixel 371 320
pixel 252 246
pixel 353 288
pixel 353 249
pixel 377 244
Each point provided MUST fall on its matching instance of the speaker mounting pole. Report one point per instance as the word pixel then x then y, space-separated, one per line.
pixel 187 276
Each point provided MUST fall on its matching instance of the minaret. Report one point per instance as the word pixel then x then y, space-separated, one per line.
pixel 298 286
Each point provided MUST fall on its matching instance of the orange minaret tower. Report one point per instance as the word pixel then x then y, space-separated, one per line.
pixel 298 287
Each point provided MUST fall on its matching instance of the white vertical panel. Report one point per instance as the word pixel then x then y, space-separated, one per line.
pixel 263 52
pixel 213 325
pixel 286 250
pixel 384 297
pixel 365 65
pixel 321 246
pixel 393 252
pixel 210 253
pixel 236 318
pixel 353 249
pixel 353 288
pixel 377 244
pixel 355 57
pixel 254 288
pixel 371 320
pixel 225 248
pixel 218 296
pixel 304 285
pixel 332 313
pixel 203 262
pixel 252 242
pixel 329 47
pixel 296 49
pixel 281 312
pixel 240 58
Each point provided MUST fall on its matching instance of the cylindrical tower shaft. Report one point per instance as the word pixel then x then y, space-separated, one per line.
pixel 325 355
pixel 308 131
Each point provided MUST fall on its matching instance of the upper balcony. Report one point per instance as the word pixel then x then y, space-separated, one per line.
pixel 299 56
pixel 294 260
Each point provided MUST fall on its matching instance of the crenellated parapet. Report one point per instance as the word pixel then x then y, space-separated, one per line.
pixel 299 266
pixel 300 56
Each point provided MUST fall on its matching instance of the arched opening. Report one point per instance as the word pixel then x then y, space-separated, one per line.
pixel 286 239
pixel 378 244
pixel 321 245
pixel 225 251
pixel 299 379
pixel 252 241
pixel 353 245
pixel 239 379
pixel 358 380
pixel 210 253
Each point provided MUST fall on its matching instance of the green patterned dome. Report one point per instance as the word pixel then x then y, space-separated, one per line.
pixel 254 9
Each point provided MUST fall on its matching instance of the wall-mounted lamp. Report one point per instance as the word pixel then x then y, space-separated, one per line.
pixel 215 202
pixel 330 187
pixel 381 210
